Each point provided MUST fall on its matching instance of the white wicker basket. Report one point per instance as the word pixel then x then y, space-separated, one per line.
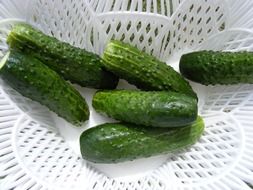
pixel 39 151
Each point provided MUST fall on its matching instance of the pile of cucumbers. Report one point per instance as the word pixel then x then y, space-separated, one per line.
pixel 160 117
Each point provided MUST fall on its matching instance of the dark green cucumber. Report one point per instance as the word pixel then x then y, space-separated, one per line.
pixel 34 80
pixel 143 70
pixel 210 67
pixel 118 142
pixel 74 64
pixel 153 108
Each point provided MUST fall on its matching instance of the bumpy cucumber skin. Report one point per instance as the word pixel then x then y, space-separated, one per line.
pixel 153 108
pixel 34 80
pixel 211 68
pixel 143 70
pixel 74 64
pixel 119 142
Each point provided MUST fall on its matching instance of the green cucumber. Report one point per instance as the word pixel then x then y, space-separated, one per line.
pixel 153 108
pixel 143 70
pixel 73 64
pixel 31 78
pixel 118 142
pixel 211 68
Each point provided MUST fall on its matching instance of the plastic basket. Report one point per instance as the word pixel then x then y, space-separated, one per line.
pixel 39 151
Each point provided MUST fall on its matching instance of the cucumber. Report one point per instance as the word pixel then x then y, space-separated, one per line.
pixel 143 70
pixel 73 64
pixel 211 68
pixel 31 78
pixel 153 108
pixel 118 142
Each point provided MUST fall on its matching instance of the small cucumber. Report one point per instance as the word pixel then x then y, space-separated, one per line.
pixel 154 108
pixel 73 64
pixel 143 70
pixel 34 80
pixel 119 142
pixel 210 67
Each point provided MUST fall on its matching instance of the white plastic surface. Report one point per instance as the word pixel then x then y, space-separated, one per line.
pixel 40 151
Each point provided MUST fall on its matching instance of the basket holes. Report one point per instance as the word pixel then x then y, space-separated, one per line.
pixel 179 38
pixel 206 156
pixel 191 8
pixel 94 186
pixel 199 32
pixel 180 166
pixel 208 9
pixel 209 147
pixel 191 20
pixel 174 22
pixel 201 174
pixel 222 27
pixel 108 29
pixel 156 32
pixel 235 102
pixel 122 37
pixel 208 20
pixel 222 147
pixel 150 41
pixel 179 26
pixel 199 9
pixel 194 157
pixel 184 17
pixel 217 9
pixel 179 14
pixel 92 37
pixel 138 27
pixel 199 21
pixel 178 174
pixel 148 27
pixel 219 155
pixel 225 138
pixel 132 37
pixel 191 166
pixel 219 18
pixel 174 45
pixel 201 40
pixel 118 27
pixel 129 25
pixel 203 165
pixel 174 34
pixel 242 95
pixel 141 38
pixel 52 33
pixel 189 174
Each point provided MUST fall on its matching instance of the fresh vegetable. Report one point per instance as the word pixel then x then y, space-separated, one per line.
pixel 210 67
pixel 154 108
pixel 118 142
pixel 74 64
pixel 143 70
pixel 34 80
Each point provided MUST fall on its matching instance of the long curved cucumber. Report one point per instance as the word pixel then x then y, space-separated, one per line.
pixel 73 64
pixel 211 68
pixel 34 80
pixel 143 70
pixel 153 108
pixel 119 142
